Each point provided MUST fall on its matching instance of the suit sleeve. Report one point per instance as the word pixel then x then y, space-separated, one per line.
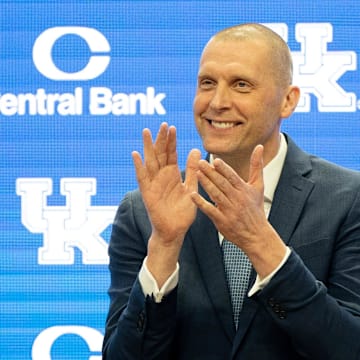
pixel 321 317
pixel 136 326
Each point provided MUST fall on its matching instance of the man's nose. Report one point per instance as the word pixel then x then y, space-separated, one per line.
pixel 221 98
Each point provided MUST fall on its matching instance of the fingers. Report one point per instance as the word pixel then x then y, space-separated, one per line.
pixel 165 145
pixel 160 152
pixel 171 146
pixel 141 173
pixel 228 173
pixel 150 158
pixel 206 207
pixel 226 178
pixel 221 182
pixel 160 145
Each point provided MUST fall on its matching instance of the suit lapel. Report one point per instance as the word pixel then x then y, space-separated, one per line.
pixel 291 193
pixel 290 197
pixel 209 255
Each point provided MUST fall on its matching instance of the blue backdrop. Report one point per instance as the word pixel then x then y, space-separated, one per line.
pixel 79 80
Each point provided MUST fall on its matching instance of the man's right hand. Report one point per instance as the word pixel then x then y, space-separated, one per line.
pixel 167 198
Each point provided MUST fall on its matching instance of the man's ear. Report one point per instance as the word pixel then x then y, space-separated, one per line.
pixel 290 101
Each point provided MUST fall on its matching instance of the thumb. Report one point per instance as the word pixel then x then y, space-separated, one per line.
pixel 192 166
pixel 256 168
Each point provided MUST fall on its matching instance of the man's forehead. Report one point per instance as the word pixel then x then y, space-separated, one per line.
pixel 247 31
pixel 235 43
pixel 231 50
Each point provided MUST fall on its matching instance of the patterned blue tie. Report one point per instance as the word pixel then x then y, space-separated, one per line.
pixel 237 268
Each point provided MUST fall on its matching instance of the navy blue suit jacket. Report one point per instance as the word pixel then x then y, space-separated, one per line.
pixel 309 310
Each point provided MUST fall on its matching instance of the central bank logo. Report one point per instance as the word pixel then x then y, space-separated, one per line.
pixel 79 99
pixel 102 100
pixel 317 70
pixel 97 63
pixel 77 224
pixel 45 341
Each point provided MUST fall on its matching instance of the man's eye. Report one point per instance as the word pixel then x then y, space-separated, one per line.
pixel 242 85
pixel 206 83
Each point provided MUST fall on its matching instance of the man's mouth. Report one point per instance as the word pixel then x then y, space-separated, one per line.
pixel 223 124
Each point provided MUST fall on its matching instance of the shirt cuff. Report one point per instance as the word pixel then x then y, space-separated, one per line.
pixel 150 287
pixel 260 284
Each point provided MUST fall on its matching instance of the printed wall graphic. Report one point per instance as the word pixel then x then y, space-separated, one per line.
pixel 79 80
pixel 76 224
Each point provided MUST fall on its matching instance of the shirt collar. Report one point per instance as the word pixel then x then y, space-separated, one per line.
pixel 272 170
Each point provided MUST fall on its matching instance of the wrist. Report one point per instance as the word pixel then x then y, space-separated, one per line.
pixel 267 255
pixel 162 258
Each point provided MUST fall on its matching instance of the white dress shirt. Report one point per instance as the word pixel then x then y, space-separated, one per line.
pixel 271 174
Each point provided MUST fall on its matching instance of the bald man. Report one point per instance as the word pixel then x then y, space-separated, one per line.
pixel 289 219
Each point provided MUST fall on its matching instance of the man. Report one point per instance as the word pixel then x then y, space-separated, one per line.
pixel 295 217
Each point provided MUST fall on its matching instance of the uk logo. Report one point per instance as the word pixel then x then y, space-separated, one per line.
pixel 317 70
pixel 77 224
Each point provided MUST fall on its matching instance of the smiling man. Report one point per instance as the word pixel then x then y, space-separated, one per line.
pixel 254 252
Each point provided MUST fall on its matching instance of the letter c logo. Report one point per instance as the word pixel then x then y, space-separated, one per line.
pixel 95 40
pixel 41 349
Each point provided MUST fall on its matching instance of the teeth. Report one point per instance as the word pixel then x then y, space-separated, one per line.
pixel 222 125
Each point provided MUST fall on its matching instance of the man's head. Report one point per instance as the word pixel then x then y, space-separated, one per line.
pixel 244 90
pixel 279 60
